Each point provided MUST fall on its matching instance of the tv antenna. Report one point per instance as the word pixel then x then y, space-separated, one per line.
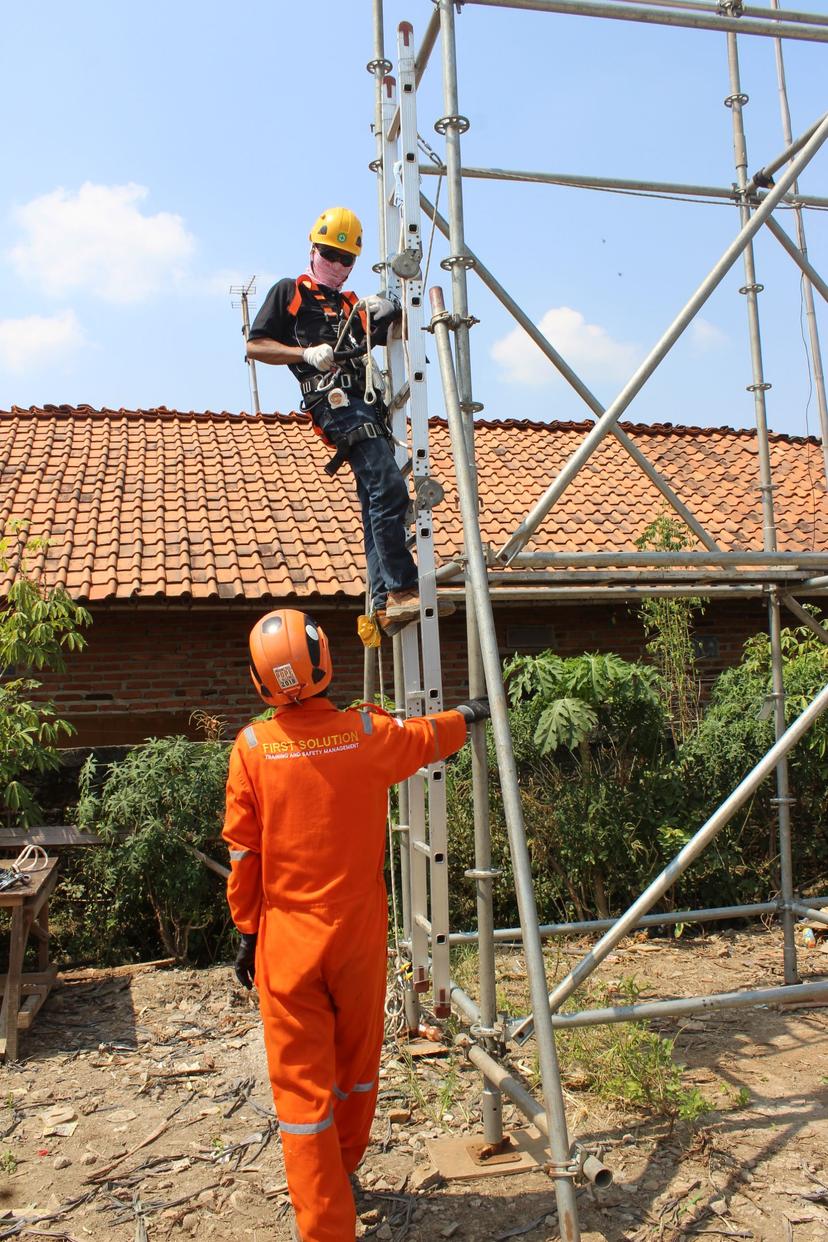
pixel 244 294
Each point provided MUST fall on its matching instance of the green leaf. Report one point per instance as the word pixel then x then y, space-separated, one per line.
pixel 565 722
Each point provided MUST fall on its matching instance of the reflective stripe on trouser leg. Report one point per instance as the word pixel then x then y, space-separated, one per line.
pixel 321 978
pixel 298 1023
pixel 353 1118
pixel 359 997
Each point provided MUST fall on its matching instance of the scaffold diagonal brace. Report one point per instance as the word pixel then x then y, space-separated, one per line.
pixel 660 350
pixel 574 380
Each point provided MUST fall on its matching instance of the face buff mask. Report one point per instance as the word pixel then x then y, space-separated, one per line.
pixel 331 275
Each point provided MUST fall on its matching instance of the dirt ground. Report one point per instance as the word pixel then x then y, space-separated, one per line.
pixel 140 1109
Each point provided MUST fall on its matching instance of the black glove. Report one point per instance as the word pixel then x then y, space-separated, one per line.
pixel 245 963
pixel 474 710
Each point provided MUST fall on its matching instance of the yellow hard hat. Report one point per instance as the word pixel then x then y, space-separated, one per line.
pixel 340 228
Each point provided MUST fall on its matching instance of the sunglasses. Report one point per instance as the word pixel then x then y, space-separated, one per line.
pixel 337 256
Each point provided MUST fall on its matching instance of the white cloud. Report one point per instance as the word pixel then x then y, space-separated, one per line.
pixel 99 240
pixel 37 340
pixel 705 336
pixel 587 347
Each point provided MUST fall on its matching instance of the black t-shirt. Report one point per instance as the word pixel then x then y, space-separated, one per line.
pixel 310 325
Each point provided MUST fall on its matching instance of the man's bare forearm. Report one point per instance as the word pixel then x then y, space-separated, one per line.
pixel 274 352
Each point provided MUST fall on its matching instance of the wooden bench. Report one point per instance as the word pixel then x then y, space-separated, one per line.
pixel 23 994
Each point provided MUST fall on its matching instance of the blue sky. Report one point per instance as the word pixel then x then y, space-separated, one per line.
pixel 161 153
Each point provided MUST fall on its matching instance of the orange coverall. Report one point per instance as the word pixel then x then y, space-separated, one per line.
pixel 305 823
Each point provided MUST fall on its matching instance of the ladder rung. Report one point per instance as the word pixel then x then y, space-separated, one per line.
pixel 422 847
pixel 400 397
pixel 422 921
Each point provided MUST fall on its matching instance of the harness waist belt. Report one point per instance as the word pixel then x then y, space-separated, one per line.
pixel 343 380
pixel 368 431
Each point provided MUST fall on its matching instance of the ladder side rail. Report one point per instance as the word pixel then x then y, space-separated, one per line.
pixel 424 530
pixel 395 349
pixel 408 677
pixel 418 864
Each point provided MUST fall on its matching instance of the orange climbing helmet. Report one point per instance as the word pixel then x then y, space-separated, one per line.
pixel 340 228
pixel 289 657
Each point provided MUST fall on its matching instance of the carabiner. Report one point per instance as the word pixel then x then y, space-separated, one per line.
pixel 370 391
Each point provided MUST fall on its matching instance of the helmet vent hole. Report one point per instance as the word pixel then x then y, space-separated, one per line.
pixel 314 646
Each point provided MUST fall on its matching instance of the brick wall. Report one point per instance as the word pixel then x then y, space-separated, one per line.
pixel 145 669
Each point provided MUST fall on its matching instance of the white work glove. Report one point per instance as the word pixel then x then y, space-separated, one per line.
pixel 319 356
pixel 379 306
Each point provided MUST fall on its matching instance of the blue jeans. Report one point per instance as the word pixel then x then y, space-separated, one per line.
pixel 383 497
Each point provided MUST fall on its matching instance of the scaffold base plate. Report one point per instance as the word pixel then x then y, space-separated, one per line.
pixel 457 1158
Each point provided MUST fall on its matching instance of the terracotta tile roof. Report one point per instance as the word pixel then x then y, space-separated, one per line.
pixel 156 503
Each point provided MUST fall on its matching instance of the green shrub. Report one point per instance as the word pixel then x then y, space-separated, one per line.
pixel 608 801
pixel 668 625
pixel 735 733
pixel 153 810
pixel 593 754
pixel 38 625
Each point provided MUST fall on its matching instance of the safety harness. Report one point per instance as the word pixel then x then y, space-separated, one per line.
pixel 320 295
pixel 325 387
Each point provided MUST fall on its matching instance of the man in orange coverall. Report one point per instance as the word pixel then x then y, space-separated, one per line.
pixel 305 824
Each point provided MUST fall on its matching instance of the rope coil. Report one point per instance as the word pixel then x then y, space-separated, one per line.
pixel 31 860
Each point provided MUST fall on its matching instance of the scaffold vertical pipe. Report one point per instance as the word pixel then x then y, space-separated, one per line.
pixel 783 796
pixel 807 290
pixel 561 1168
pixel 452 125
pixel 736 101
pixel 751 289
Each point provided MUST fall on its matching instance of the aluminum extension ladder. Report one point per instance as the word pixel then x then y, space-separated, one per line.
pixel 425 834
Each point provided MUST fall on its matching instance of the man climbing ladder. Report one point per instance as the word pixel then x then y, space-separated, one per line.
pixel 319 330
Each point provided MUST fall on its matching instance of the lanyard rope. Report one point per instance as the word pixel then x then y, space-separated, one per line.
pixel 30 860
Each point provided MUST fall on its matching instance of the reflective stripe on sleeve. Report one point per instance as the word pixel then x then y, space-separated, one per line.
pixel 367 722
pixel 364 1086
pixel 250 737
pixel 339 1093
pixel 310 1127
pixel 235 855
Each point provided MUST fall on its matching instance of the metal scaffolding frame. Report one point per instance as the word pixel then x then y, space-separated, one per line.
pixel 566 575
